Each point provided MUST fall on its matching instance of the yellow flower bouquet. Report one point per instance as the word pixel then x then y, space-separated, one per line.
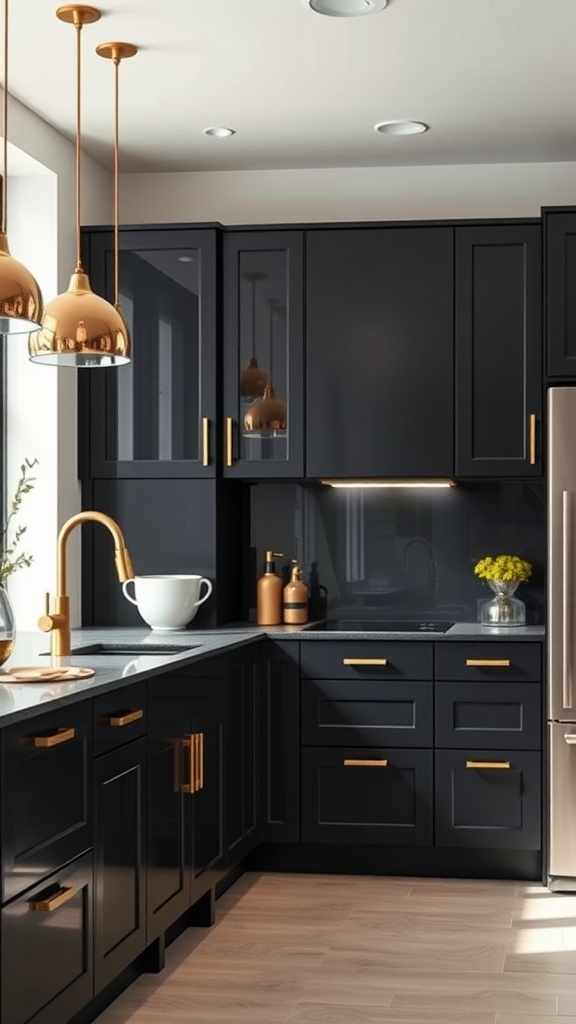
pixel 510 568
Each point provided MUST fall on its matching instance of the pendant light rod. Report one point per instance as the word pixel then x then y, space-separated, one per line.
pixel 116 52
pixel 5 122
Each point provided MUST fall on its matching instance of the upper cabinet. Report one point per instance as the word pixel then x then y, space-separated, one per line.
pixel 156 416
pixel 379 352
pixel 263 294
pixel 499 350
pixel 560 301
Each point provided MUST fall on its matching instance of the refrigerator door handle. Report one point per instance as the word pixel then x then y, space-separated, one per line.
pixel 570 739
pixel 567 597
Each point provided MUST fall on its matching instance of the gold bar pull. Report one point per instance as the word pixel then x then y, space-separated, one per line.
pixel 364 661
pixel 352 762
pixel 488 662
pixel 229 441
pixel 532 438
pixel 61 897
pixel 199 741
pixel 488 764
pixel 205 441
pixel 60 736
pixel 188 743
pixel 125 719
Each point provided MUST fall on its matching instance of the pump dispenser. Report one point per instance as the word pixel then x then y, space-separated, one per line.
pixel 295 597
pixel 269 593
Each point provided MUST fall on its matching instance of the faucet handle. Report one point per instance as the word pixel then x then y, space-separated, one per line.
pixel 47 622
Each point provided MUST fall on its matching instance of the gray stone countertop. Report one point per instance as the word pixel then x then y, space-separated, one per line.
pixel 23 700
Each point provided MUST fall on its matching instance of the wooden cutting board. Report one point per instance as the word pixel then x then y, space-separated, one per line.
pixel 44 674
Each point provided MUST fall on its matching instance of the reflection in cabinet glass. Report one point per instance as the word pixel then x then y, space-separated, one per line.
pixel 154 418
pixel 263 340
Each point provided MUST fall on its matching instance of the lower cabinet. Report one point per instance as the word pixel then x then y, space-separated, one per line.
pixel 47 948
pixel 243 754
pixel 281 743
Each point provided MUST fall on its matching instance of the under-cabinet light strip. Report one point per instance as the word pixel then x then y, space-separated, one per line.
pixel 389 483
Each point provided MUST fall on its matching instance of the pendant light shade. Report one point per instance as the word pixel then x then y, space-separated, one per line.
pixel 80 328
pixel 20 296
pixel 267 416
pixel 253 380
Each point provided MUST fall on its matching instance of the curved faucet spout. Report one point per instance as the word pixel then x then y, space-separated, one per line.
pixel 56 621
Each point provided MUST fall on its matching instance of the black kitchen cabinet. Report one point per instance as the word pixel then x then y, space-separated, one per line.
pixel 281 743
pixel 370 712
pixel 243 753
pixel 42 759
pixel 157 415
pixel 119 858
pixel 47 948
pixel 498 350
pixel 560 294
pixel 379 352
pixel 186 799
pixel 263 315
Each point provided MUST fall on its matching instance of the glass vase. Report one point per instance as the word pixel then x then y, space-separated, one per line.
pixel 7 626
pixel 503 609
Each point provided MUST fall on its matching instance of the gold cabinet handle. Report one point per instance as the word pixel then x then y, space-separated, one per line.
pixel 199 760
pixel 60 736
pixel 488 764
pixel 229 440
pixel 189 744
pixel 205 441
pixel 126 719
pixel 532 438
pixel 353 762
pixel 364 661
pixel 488 662
pixel 47 906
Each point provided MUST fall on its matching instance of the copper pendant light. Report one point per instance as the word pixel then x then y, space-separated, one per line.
pixel 267 416
pixel 253 380
pixel 80 328
pixel 20 296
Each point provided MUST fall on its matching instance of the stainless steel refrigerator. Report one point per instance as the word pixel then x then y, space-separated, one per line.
pixel 561 639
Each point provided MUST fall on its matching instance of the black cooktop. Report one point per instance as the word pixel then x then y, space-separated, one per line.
pixel 385 625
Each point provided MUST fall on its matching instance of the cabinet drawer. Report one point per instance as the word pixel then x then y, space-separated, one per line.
pixel 366 713
pixel 366 659
pixel 488 715
pixel 350 795
pixel 119 717
pixel 486 661
pixel 47 948
pixel 496 807
pixel 46 795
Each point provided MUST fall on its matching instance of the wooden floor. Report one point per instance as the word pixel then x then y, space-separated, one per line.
pixel 325 948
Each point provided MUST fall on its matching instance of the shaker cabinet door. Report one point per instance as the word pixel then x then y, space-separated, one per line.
pixel 560 295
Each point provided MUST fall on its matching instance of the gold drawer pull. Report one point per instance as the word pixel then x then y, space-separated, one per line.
pixel 229 441
pixel 352 762
pixel 364 661
pixel 61 897
pixel 488 662
pixel 61 736
pixel 532 438
pixel 189 744
pixel 488 764
pixel 127 719
pixel 205 441
pixel 199 758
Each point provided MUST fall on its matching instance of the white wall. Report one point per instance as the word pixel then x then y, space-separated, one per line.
pixel 41 415
pixel 366 193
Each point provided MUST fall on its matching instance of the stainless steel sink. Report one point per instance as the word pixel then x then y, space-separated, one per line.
pixel 100 649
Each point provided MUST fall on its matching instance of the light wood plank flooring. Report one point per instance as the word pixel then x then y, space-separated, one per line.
pixel 327 949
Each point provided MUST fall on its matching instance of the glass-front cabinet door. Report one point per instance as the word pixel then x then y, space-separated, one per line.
pixel 155 416
pixel 263 354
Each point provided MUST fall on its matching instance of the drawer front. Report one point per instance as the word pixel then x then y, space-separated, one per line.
pixel 47 948
pixel 351 795
pixel 119 717
pixel 366 659
pixel 488 807
pixel 488 715
pixel 46 795
pixel 372 713
pixel 481 662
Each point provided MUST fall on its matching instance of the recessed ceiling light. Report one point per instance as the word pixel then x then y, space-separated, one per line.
pixel 219 133
pixel 347 8
pixel 401 127
pixel 185 259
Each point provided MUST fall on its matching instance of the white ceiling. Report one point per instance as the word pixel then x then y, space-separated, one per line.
pixel 495 80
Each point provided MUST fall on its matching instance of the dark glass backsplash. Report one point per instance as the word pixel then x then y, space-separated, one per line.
pixel 389 553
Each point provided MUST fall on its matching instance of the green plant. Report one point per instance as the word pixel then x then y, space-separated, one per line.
pixel 504 567
pixel 10 558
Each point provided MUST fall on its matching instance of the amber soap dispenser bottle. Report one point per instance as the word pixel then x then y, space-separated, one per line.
pixel 269 593
pixel 295 597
